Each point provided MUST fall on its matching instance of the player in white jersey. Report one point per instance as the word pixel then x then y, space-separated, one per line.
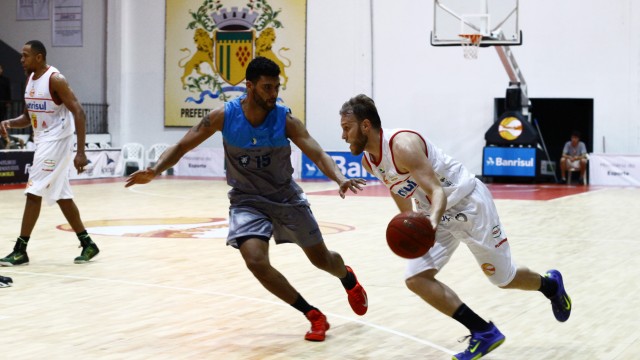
pixel 54 112
pixel 460 208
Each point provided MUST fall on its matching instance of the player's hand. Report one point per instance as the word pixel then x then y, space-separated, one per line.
pixel 354 185
pixel 4 125
pixel 80 161
pixel 434 222
pixel 140 177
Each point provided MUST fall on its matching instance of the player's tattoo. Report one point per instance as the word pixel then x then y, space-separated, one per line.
pixel 204 122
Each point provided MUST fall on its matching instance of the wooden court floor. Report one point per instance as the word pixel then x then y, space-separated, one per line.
pixel 165 286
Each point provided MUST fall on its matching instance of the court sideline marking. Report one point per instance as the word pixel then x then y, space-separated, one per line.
pixel 209 292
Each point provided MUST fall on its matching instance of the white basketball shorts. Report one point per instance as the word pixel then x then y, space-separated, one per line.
pixel 49 173
pixel 475 222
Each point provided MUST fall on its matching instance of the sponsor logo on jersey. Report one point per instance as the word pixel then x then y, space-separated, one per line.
pixel 49 165
pixel 500 243
pixel 407 189
pixel 488 269
pixel 496 232
pixel 37 105
pixel 244 160
pixel 461 217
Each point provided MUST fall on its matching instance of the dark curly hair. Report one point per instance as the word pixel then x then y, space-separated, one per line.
pixel 261 66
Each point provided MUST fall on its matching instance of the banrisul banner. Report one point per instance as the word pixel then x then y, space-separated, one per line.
pixel 509 161
pixel 350 165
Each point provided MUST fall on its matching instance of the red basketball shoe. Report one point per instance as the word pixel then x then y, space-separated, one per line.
pixel 319 326
pixel 357 297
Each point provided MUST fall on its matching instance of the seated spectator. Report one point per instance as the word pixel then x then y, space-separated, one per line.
pixel 8 142
pixel 574 156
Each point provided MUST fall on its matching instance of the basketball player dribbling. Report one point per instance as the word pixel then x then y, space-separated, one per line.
pixel 461 209
pixel 265 200
pixel 54 112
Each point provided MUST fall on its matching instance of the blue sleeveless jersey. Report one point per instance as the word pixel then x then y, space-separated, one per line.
pixel 258 159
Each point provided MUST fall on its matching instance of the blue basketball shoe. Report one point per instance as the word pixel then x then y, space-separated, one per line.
pixel 560 302
pixel 481 343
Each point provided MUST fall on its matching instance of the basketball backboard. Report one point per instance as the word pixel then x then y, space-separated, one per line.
pixel 495 20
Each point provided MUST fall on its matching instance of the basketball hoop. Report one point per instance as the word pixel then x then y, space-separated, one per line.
pixel 470 45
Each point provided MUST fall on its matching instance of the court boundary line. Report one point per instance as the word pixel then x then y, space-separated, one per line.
pixel 242 297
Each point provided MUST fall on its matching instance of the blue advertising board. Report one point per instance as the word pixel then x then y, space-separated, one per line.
pixel 15 165
pixel 509 161
pixel 349 164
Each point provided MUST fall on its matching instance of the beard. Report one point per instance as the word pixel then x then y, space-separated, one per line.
pixel 262 103
pixel 357 146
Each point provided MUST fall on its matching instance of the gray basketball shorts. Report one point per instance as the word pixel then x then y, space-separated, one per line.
pixel 287 223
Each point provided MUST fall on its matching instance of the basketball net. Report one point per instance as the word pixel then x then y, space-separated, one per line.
pixel 470 45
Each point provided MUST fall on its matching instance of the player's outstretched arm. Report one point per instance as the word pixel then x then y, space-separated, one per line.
pixel 310 147
pixel 208 126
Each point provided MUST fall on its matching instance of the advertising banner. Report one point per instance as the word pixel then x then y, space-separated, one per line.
pixel 201 162
pixel 620 170
pixel 350 166
pixel 509 161
pixel 14 166
pixel 210 162
pixel 102 164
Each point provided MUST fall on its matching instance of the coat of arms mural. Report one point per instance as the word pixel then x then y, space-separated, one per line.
pixel 209 44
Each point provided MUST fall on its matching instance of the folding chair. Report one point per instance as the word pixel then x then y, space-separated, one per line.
pixel 133 153
pixel 154 152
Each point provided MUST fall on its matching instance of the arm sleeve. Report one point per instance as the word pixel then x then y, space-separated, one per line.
pixel 583 148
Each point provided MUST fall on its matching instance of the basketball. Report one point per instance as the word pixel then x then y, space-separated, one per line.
pixel 410 235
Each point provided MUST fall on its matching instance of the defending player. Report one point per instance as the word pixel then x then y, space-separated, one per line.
pixel 265 200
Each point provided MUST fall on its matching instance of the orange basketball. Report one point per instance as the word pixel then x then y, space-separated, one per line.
pixel 410 235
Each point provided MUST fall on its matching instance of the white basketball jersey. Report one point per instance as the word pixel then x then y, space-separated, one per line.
pixel 49 120
pixel 456 181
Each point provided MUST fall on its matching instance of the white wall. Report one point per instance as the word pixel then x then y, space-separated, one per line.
pixel 571 49
pixel 338 66
pixel 82 66
pixel 135 69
